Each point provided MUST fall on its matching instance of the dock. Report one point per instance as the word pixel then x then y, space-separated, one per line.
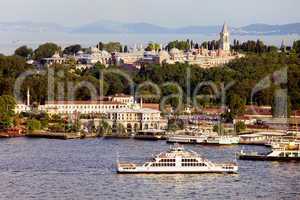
pixel 50 135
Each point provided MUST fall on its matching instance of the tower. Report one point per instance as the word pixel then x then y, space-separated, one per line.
pixel 225 38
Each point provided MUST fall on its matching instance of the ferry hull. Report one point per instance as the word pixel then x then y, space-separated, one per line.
pixel 181 172
pixel 176 171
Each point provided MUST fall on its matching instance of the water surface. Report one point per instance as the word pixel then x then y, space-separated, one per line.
pixel 85 169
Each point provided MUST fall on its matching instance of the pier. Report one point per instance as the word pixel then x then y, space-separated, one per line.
pixel 49 135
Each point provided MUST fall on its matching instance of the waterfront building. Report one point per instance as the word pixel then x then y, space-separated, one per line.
pixel 83 107
pixel 136 119
pixel 99 106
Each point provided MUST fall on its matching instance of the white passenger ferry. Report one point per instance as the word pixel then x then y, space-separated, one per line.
pixel 177 160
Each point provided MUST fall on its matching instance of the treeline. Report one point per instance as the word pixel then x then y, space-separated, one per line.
pixel 245 72
pixel 47 50
pixel 253 46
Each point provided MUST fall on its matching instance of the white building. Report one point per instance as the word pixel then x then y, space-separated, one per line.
pixel 94 56
pixel 83 107
pixel 122 98
pixel 55 59
pixel 21 107
pixel 136 119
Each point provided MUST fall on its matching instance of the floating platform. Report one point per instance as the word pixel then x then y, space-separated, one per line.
pixel 268 158
pixel 49 135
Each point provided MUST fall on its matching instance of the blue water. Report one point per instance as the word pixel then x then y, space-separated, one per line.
pixel 85 169
pixel 9 41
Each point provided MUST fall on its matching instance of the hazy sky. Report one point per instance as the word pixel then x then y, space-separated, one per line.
pixel 162 12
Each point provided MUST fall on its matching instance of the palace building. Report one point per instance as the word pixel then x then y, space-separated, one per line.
pixel 135 119
pixel 202 57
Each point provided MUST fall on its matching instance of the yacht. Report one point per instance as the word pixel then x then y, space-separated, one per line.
pixel 281 152
pixel 177 160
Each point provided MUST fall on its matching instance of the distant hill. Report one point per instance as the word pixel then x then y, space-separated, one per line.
pixel 113 27
pixel 117 27
pixel 31 27
pixel 255 29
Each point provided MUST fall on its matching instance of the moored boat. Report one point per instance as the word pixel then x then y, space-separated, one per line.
pixel 150 134
pixel 178 160
pixel 290 152
pixel 184 139
pixel 221 140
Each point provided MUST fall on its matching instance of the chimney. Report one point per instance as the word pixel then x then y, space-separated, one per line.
pixel 141 102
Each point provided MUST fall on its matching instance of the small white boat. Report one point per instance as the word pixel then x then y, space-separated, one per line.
pixel 178 160
pixel 184 139
pixel 221 140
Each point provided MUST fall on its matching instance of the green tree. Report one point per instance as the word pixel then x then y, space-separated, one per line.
pixel 112 47
pixel 219 128
pixel 71 50
pixel 6 121
pixel 120 129
pixel 296 46
pixel 236 105
pixel 181 45
pixel 46 50
pixel 104 128
pixel 7 105
pixel 126 49
pixel 153 47
pixel 24 52
pixel 239 127
pixel 34 125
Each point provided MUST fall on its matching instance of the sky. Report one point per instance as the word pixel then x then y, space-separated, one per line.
pixel 172 13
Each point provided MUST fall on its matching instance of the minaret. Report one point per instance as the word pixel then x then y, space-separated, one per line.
pixel 225 38
pixel 28 97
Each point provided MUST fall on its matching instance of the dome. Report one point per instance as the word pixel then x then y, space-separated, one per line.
pixel 174 51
